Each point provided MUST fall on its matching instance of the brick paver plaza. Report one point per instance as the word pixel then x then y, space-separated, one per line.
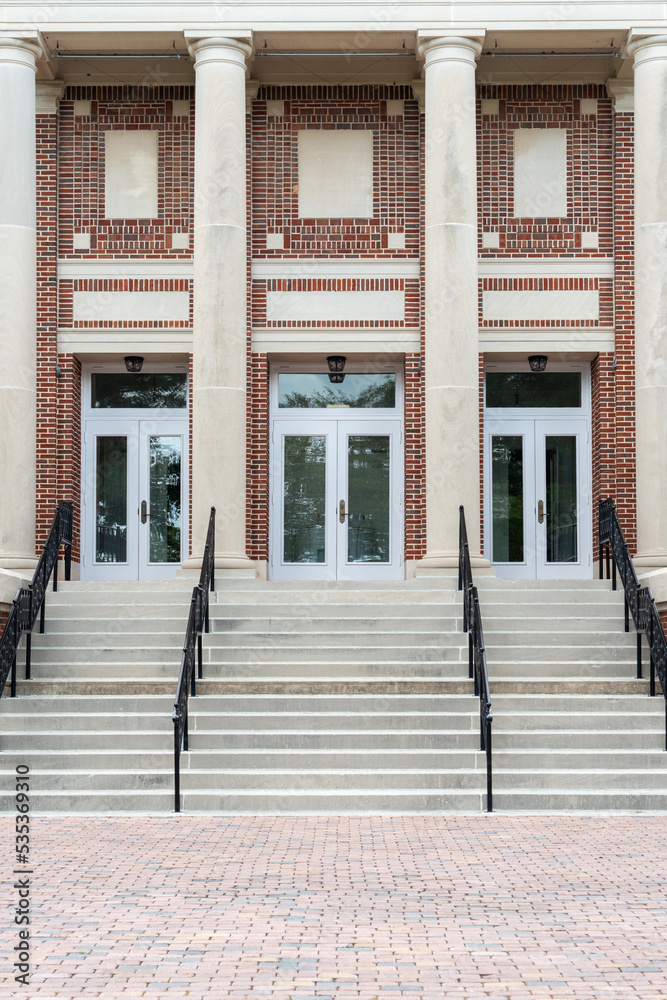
pixel 352 907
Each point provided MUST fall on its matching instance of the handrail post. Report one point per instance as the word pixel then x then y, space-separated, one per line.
pixel 489 766
pixel 177 765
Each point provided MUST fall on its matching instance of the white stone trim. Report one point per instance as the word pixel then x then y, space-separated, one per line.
pixel 353 341
pixel 309 268
pixel 622 92
pixel 535 340
pixel 95 268
pixel 47 95
pixel 520 267
pixel 120 341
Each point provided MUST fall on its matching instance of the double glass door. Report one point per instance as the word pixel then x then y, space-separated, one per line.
pixel 134 499
pixel 538 498
pixel 336 500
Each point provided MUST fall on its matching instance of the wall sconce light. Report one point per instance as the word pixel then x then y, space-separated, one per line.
pixel 133 364
pixel 538 362
pixel 336 362
pixel 336 377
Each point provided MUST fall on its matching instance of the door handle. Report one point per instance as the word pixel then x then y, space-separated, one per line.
pixel 144 512
pixel 341 512
pixel 540 511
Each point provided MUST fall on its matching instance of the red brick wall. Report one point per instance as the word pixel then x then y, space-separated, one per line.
pixel 69 442
pixel 47 384
pixel 624 460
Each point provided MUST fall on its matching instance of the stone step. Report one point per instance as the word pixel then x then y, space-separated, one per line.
pixel 589 779
pixel 380 685
pixel 123 642
pixel 642 798
pixel 241 722
pixel 253 802
pixel 648 738
pixel 61 761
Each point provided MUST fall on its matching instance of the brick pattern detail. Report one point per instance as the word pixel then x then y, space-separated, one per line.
pixel 603 286
pixel 410 289
pixel 589 157
pixel 101 285
pixel 275 169
pixel 82 180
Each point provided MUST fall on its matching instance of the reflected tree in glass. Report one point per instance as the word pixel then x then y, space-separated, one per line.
pixel 368 468
pixel 111 500
pixel 304 499
pixel 507 498
pixel 165 499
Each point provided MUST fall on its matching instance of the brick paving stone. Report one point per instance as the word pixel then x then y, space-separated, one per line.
pixel 343 908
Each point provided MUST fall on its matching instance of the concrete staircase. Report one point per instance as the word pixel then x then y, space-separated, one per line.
pixel 573 727
pixel 335 698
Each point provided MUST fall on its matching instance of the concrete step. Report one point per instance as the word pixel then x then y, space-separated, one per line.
pixel 644 798
pixel 588 779
pixel 648 738
pixel 253 802
pixel 292 639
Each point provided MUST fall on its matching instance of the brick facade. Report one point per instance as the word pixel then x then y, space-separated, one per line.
pixel 72 203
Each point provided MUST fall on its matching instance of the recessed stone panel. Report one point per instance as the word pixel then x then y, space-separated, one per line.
pixel 335 174
pixel 125 307
pixel 130 174
pixel 334 307
pixel 540 172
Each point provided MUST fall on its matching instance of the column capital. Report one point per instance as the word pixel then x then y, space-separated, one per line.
pixel 644 45
pixel 219 48
pixel 23 48
pixel 47 95
pixel 622 93
pixel 452 46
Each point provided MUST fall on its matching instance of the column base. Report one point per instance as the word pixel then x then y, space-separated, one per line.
pixel 656 579
pixel 227 566
pixel 447 564
pixel 11 581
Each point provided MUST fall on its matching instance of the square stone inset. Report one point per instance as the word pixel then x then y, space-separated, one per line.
pixel 275 241
pixel 180 241
pixel 82 241
pixel 335 174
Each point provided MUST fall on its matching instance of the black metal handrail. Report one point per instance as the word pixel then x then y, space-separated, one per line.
pixel 31 601
pixel 198 622
pixel 477 669
pixel 639 601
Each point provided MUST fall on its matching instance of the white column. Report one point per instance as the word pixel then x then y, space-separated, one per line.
pixel 220 299
pixel 650 63
pixel 451 351
pixel 17 304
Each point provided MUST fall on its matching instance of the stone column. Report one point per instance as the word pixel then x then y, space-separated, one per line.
pixel 17 305
pixel 650 63
pixel 451 320
pixel 220 299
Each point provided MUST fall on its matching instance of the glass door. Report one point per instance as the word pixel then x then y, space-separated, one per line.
pixel 538 501
pixel 134 499
pixel 336 500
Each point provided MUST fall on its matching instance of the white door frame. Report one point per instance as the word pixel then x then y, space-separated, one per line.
pixel 138 425
pixel 533 424
pixel 335 424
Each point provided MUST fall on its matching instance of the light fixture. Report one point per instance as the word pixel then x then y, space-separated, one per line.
pixel 538 362
pixel 133 363
pixel 336 362
pixel 336 377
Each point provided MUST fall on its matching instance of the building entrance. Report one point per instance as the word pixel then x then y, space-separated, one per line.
pixel 135 475
pixel 337 478
pixel 538 508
